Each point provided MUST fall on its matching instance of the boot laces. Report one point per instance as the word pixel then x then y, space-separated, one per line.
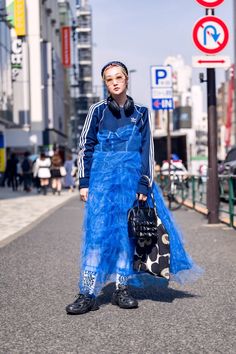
pixel 125 292
pixel 79 296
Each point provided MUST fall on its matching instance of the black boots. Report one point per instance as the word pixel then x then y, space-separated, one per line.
pixel 83 304
pixel 86 303
pixel 122 298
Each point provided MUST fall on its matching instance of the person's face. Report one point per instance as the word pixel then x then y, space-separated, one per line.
pixel 115 80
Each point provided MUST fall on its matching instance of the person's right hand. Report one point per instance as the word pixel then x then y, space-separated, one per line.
pixel 83 194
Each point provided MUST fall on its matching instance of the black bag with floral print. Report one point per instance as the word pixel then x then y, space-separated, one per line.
pixel 152 247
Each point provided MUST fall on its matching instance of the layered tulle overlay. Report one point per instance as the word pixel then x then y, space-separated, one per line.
pixel 106 248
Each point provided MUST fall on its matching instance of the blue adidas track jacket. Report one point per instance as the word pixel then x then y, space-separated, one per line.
pixel 100 117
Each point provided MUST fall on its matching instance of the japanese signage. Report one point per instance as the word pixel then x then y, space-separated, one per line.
pixel 16 57
pixel 2 153
pixel 19 17
pixel 16 16
pixel 66 46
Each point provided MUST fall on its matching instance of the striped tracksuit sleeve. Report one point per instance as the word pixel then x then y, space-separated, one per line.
pixel 88 140
pixel 147 155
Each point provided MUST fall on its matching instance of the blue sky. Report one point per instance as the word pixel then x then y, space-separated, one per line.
pixel 144 33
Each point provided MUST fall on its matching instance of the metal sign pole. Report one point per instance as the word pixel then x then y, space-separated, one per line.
pixel 205 35
pixel 213 182
pixel 169 153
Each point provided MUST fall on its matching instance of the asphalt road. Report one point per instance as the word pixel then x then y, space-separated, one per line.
pixel 38 279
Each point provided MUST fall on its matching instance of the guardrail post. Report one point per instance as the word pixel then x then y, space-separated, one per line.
pixel 193 191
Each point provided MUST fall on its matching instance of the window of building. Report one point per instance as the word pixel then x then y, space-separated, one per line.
pixel 84 38
pixel 85 87
pixel 85 70
pixel 85 54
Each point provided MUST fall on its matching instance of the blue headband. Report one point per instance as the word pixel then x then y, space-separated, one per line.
pixel 118 63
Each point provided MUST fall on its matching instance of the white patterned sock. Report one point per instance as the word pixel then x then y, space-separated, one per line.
pixel 88 282
pixel 121 280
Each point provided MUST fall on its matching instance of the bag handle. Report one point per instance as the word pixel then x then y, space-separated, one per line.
pixel 153 200
pixel 151 193
pixel 138 202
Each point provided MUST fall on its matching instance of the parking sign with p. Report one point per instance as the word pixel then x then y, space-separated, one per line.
pixel 161 87
pixel 161 76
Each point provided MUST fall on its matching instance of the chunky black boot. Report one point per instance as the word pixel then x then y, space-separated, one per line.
pixel 83 304
pixel 122 298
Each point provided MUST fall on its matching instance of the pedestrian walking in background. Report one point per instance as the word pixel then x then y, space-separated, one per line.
pixel 42 171
pixel 116 167
pixel 56 173
pixel 35 178
pixel 26 168
pixel 69 181
pixel 13 172
pixel 202 180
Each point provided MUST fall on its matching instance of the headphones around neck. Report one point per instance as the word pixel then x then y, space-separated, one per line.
pixel 115 108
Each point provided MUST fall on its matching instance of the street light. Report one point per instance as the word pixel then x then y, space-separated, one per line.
pixel 131 71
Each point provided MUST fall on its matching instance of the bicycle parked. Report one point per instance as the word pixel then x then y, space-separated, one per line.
pixel 174 183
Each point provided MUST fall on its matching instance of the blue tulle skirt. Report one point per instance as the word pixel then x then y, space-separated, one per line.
pixel 107 249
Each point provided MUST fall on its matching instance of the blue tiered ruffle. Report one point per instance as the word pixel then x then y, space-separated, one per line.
pixel 106 248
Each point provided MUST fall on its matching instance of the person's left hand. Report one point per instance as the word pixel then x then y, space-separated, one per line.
pixel 141 197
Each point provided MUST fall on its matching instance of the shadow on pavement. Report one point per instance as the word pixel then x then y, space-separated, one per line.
pixel 155 293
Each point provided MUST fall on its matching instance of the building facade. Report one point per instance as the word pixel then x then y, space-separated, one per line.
pixel 42 61
pixel 85 55
pixel 226 114
pixel 68 20
pixel 6 91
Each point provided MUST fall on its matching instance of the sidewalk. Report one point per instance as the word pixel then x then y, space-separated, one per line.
pixel 20 211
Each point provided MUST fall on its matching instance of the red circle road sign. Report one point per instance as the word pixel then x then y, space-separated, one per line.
pixel 210 3
pixel 210 35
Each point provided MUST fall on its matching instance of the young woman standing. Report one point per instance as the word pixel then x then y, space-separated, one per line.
pixel 116 166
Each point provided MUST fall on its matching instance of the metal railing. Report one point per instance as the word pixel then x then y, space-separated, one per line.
pixel 228 196
pixel 195 195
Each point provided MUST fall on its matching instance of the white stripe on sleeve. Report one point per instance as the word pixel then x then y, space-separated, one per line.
pixel 83 137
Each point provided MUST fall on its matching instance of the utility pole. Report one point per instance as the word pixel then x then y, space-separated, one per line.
pixel 213 182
